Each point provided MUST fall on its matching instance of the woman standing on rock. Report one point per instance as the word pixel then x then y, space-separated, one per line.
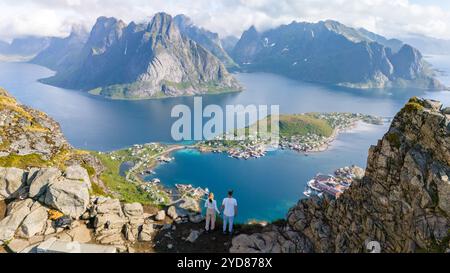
pixel 211 209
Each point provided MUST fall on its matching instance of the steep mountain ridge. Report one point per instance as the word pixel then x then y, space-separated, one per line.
pixel 331 53
pixel 144 61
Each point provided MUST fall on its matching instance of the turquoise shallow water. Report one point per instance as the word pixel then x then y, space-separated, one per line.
pixel 265 188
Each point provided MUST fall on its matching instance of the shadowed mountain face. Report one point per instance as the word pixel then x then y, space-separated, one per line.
pixel 144 61
pixel 63 52
pixel 228 43
pixel 203 37
pixel 331 53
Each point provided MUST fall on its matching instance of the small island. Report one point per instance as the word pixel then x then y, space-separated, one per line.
pixel 309 132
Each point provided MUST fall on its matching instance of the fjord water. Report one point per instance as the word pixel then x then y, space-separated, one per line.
pixel 265 188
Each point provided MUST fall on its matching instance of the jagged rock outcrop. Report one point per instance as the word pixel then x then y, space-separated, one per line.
pixel 143 61
pixel 11 181
pixel 331 53
pixel 28 132
pixel 402 202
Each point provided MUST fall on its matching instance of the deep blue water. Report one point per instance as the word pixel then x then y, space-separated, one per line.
pixel 91 122
pixel 265 188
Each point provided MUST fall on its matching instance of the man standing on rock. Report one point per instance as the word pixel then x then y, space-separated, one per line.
pixel 229 208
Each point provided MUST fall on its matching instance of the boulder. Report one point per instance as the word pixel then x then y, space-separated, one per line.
pixel 146 233
pixel 17 212
pixel 193 236
pixel 189 204
pixel 76 172
pixel 432 104
pixel 196 218
pixel 80 234
pixel 108 206
pixel 109 221
pixel 71 197
pixel 131 232
pixel 35 222
pixel 172 212
pixel 11 181
pixel 134 209
pixel 43 178
pixel 160 216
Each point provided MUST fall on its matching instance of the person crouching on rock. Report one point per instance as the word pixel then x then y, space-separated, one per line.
pixel 211 209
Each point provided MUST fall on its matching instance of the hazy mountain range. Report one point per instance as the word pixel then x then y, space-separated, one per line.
pixel 429 45
pixel 62 52
pixel 25 46
pixel 173 57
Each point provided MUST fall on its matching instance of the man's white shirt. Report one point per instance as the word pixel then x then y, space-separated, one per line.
pixel 229 204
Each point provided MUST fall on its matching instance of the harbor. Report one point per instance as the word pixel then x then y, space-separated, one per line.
pixel 333 185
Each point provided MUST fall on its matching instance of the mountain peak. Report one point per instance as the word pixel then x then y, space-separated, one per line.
pixel 162 23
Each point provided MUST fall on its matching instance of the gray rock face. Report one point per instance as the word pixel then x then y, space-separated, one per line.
pixel 42 180
pixel 274 241
pixel 134 209
pixel 144 61
pixel 11 180
pixel 28 132
pixel 76 172
pixel 17 211
pixel 402 202
pixel 35 222
pixel 193 236
pixel 172 212
pixel 146 233
pixel 332 53
pixel 68 196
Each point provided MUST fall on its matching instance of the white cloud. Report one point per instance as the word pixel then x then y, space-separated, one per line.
pixel 393 18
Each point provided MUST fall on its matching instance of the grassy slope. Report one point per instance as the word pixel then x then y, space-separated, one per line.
pixel 299 125
pixel 125 190
pixel 303 124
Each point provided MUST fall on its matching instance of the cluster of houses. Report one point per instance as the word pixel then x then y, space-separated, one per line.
pixel 306 143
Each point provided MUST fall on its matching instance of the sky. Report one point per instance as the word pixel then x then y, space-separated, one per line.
pixel 391 18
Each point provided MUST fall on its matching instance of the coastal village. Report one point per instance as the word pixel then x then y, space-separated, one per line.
pixel 306 140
